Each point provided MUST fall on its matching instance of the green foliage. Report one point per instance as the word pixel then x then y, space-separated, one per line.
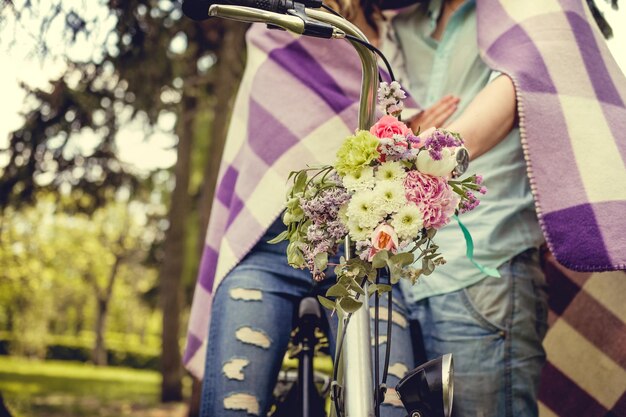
pixel 53 268
pixel 145 60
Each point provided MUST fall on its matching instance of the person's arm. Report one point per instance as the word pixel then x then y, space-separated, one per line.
pixel 488 118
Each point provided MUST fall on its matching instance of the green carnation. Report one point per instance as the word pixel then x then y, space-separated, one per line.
pixel 356 152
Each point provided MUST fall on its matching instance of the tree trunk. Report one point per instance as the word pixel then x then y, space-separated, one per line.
pixel 99 356
pixel 229 71
pixel 174 247
pixel 103 298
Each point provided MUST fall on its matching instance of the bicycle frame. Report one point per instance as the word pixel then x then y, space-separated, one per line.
pixel 356 358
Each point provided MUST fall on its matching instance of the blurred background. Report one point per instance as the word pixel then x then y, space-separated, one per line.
pixel 113 116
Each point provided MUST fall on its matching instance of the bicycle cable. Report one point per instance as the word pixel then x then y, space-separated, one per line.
pixel 331 10
pixel 377 52
pixel 364 43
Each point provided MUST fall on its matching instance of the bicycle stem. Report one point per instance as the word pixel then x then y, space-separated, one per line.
pixel 356 357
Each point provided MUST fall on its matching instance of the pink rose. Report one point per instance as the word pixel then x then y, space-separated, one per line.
pixel 384 237
pixel 433 196
pixel 388 126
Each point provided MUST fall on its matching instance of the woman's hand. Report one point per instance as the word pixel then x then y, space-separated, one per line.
pixel 436 115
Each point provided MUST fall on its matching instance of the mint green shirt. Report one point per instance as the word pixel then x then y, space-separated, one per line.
pixel 505 222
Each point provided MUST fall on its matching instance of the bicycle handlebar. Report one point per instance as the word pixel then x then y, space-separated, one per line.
pixel 199 9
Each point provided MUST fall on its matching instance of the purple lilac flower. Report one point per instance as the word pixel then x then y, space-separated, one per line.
pixel 326 228
pixel 469 203
pixel 438 140
pixel 363 249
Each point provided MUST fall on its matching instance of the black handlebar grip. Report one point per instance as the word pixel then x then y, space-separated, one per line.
pixel 199 9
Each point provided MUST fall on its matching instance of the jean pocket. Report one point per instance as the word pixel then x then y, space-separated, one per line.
pixel 489 301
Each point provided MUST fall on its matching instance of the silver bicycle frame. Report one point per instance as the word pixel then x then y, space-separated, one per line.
pixel 358 398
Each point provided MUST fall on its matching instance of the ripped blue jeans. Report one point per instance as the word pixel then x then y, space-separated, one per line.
pixel 252 317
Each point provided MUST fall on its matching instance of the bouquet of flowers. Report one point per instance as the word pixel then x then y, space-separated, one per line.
pixel 389 191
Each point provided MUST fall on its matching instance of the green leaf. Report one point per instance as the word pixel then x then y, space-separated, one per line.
pixel 371 289
pixel 295 257
pixel 383 288
pixel 395 273
pixel 402 259
pixel 321 261
pixel 380 259
pixel 350 305
pixel 356 287
pixel 300 182
pixel 282 236
pixel 428 266
pixel 326 303
pixel 337 290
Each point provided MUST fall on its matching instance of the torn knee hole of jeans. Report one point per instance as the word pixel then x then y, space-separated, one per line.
pixel 245 294
pixel 396 317
pixel 253 337
pixel 381 340
pixel 233 369
pixel 241 401
pixel 398 370
pixel 392 399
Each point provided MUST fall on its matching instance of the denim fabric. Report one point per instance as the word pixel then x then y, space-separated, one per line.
pixel 240 376
pixel 494 330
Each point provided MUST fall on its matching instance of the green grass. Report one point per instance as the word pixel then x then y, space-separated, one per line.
pixel 72 389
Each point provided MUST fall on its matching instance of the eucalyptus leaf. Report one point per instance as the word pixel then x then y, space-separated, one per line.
pixel 371 289
pixel 326 303
pixel 321 261
pixel 383 288
pixel 354 286
pixel 282 236
pixel 337 290
pixel 402 259
pixel 380 259
pixel 350 305
pixel 295 257
pixel 300 182
pixel 428 266
pixel 395 273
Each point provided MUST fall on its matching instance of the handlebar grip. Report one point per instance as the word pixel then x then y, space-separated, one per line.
pixel 199 9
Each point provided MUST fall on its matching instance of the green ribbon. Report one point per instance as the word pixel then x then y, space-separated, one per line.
pixel 469 244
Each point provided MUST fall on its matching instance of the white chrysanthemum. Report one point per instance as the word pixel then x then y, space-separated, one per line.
pixel 363 209
pixel 390 195
pixel 357 232
pixel 408 221
pixel 390 171
pixel 359 181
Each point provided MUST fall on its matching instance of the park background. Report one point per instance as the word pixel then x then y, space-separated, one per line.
pixel 112 120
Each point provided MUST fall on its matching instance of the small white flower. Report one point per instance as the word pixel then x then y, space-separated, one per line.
pixel 390 195
pixel 441 168
pixel 407 222
pixel 395 109
pixel 390 171
pixel 359 181
pixel 363 210
pixel 357 232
